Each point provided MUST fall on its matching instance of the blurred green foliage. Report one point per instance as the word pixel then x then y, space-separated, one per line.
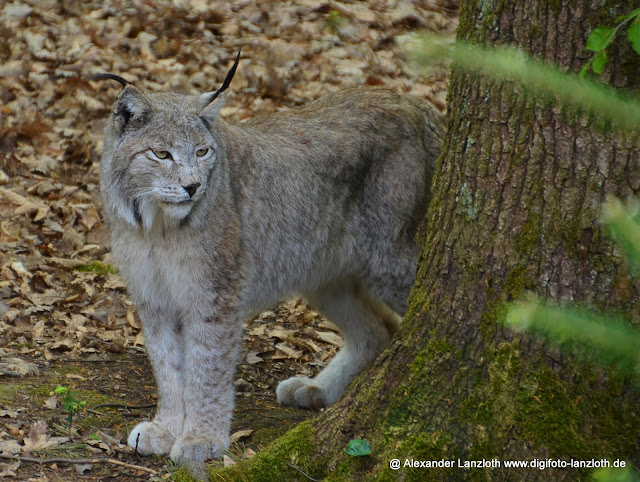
pixel 601 37
pixel 544 79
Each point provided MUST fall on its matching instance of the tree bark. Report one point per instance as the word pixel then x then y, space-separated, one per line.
pixel 515 211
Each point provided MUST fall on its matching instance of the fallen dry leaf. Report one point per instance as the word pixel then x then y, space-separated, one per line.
pixel 82 469
pixel 132 321
pixel 10 447
pixel 240 434
pixel 9 469
pixel 19 367
pixel 281 334
pixel 258 330
pixel 38 436
pixel 52 402
pixel 252 358
pixel 290 352
pixel 329 337
pixel 12 197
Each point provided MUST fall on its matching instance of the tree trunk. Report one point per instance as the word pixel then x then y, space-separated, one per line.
pixel 517 198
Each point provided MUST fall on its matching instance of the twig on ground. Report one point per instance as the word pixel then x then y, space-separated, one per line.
pixel 307 476
pixel 122 405
pixel 59 460
pixel 9 374
pixel 78 360
pixel 95 412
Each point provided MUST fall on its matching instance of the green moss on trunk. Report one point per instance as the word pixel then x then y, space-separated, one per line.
pixel 296 448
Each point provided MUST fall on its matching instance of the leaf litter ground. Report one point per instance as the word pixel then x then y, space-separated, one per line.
pixel 65 316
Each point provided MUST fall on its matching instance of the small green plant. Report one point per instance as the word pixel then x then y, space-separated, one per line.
pixel 96 267
pixel 357 448
pixel 70 403
pixel 601 38
pixel 616 475
pixel 334 22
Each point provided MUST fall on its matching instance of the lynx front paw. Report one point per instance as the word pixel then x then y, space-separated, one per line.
pixel 194 448
pixel 300 392
pixel 150 438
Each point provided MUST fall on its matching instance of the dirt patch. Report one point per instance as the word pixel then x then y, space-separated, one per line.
pixel 118 388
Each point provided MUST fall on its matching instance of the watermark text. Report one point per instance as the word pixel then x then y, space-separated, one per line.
pixel 541 464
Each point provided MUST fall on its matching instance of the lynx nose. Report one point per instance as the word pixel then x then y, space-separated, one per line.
pixel 191 188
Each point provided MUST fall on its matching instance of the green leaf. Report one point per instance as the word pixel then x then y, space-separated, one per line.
pixel 584 69
pixel 358 447
pixel 633 34
pixel 634 13
pixel 599 38
pixel 599 62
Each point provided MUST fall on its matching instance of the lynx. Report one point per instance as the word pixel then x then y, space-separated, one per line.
pixel 212 222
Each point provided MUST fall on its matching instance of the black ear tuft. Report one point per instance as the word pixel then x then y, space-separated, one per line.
pixel 117 78
pixel 211 96
pixel 210 109
pixel 228 78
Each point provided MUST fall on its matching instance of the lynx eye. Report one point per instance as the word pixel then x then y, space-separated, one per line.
pixel 162 154
pixel 202 152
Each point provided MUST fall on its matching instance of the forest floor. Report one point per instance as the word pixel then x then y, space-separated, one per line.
pixel 65 319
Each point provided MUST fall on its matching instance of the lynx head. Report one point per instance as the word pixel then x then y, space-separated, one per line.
pixel 159 154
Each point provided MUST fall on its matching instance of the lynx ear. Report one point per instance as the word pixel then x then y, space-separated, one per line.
pixel 131 107
pixel 211 108
pixel 132 103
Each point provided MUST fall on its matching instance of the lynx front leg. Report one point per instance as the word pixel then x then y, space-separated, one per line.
pixel 165 348
pixel 211 351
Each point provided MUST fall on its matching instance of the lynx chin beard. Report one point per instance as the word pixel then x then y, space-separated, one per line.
pixel 154 213
pixel 176 212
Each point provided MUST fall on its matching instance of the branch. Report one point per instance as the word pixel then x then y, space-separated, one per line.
pixel 122 405
pixel 58 460
pixel 7 373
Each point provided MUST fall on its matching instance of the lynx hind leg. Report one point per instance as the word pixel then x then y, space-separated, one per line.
pixel 367 327
pixel 391 273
